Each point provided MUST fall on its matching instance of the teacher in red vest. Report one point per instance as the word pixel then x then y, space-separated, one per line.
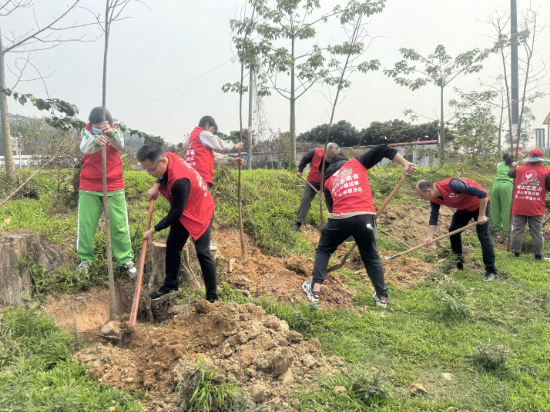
pixel 348 195
pixel 191 213
pixel 471 201
pixel 531 184
pixel 315 157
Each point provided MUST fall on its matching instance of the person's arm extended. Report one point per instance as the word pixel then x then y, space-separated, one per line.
pixel 434 217
pixel 512 171
pixel 374 156
pixel 215 143
pixel 308 157
pixel 460 186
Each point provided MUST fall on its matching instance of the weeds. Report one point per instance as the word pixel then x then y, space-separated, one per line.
pixel 490 356
pixel 455 297
pixel 368 388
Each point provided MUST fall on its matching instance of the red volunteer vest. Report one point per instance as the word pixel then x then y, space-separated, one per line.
pixel 91 174
pixel 314 174
pixel 350 189
pixel 200 206
pixel 530 190
pixel 200 157
pixel 460 201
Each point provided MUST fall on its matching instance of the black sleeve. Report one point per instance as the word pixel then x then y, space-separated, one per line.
pixel 308 157
pixel 434 214
pixel 373 156
pixel 512 172
pixel 547 182
pixel 180 194
pixel 328 199
pixel 460 186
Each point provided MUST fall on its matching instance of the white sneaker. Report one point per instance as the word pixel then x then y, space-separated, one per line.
pixel 131 269
pixel 83 267
pixel 213 247
pixel 311 296
pixel 380 301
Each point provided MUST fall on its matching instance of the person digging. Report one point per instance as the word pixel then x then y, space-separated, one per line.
pixel 315 157
pixel 201 151
pixel 347 192
pixel 191 213
pixel 531 184
pixel 472 202
pixel 94 136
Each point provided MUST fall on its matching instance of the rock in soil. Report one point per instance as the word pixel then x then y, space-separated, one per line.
pixel 239 342
pixel 111 328
pixel 417 389
pixel 340 390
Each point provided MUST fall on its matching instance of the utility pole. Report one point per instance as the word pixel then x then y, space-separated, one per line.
pixel 514 62
pixel 250 99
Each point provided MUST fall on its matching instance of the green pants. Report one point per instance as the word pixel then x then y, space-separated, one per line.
pixel 501 197
pixel 90 207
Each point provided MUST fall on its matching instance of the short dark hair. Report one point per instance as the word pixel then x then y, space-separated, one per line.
pixel 338 158
pixel 151 152
pixel 424 185
pixel 96 116
pixel 210 120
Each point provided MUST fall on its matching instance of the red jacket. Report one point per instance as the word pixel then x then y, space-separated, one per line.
pixel 314 174
pixel 460 201
pixel 200 157
pixel 530 190
pixel 91 174
pixel 200 206
pixel 350 189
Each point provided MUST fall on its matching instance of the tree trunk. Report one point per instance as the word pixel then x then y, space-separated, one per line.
pixel 5 121
pixel 292 152
pixel 442 131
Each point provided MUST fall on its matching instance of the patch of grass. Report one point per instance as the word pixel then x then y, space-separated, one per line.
pixel 38 373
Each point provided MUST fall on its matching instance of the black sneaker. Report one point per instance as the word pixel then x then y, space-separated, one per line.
pixel 538 257
pixel 212 299
pixel 163 291
pixel 460 263
pixel 489 276
pixel 296 226
pixel 516 254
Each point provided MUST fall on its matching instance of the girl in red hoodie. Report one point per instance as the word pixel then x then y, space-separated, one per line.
pixel 94 136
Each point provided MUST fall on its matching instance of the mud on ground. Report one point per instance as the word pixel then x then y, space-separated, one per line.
pixel 239 342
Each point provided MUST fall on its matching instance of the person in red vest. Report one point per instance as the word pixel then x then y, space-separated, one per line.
pixel 314 157
pixel 94 136
pixel 347 192
pixel 202 151
pixel 472 202
pixel 191 213
pixel 531 184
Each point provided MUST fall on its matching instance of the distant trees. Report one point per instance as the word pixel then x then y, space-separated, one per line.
pixel 345 134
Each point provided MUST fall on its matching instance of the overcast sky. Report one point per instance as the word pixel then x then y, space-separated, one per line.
pixel 173 42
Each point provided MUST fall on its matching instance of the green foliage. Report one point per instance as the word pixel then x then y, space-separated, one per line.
pixel 342 133
pixel 455 297
pixel 38 373
pixel 490 356
pixel 368 388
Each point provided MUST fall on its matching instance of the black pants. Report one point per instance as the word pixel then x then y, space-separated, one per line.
pixel 363 230
pixel 177 238
pixel 460 219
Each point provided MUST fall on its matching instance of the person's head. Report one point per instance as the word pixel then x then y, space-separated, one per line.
pixel 332 149
pixel 535 155
pixel 153 160
pixel 209 124
pixel 426 189
pixel 96 117
pixel 508 159
pixel 339 157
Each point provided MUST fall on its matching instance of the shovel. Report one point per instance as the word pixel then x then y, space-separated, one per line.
pixel 350 251
pixel 139 280
pixel 454 232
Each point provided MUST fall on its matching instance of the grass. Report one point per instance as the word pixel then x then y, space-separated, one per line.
pixel 37 372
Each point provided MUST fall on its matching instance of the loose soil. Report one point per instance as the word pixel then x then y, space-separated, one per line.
pixel 239 342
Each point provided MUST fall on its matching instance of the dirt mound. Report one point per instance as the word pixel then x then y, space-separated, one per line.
pixel 239 342
pixel 276 277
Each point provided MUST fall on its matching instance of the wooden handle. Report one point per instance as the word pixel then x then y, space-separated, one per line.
pixel 307 181
pixel 352 248
pixel 454 232
pixel 139 280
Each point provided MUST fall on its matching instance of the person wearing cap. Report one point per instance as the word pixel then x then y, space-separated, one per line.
pixel 501 195
pixel 471 201
pixel 530 187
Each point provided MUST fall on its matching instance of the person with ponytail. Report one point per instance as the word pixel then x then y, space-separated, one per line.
pixel 501 195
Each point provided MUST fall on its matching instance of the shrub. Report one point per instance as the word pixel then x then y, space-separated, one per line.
pixel 490 356
pixel 368 388
pixel 455 297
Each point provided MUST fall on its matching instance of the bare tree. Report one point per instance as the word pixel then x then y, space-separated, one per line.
pixel 41 37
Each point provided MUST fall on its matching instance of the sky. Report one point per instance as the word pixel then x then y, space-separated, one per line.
pixel 184 48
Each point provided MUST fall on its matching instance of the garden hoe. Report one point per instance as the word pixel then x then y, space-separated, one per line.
pixel 350 251
pixel 313 187
pixel 454 232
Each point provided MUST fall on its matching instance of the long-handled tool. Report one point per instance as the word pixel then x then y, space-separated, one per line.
pixel 139 280
pixel 313 187
pixel 350 251
pixel 454 232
